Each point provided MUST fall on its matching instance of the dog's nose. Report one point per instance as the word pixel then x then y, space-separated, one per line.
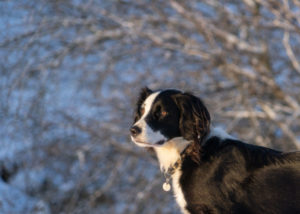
pixel 134 130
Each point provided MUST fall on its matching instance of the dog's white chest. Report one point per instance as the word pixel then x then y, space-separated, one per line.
pixel 178 192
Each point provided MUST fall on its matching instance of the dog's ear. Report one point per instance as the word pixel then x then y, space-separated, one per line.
pixel 194 120
pixel 145 92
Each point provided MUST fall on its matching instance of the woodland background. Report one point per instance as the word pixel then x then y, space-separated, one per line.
pixel 71 70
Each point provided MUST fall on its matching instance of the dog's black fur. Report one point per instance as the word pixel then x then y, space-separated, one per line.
pixel 235 177
pixel 224 175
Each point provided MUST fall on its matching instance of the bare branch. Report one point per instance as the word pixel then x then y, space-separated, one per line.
pixel 289 51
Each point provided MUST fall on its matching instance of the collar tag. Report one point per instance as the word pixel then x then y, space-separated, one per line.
pixel 168 175
pixel 171 170
pixel 166 186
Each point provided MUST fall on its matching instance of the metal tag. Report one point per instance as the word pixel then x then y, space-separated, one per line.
pixel 166 187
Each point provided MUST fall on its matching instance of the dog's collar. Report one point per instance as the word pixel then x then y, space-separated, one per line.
pixel 171 170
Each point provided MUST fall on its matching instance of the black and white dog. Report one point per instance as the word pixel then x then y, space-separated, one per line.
pixel 212 172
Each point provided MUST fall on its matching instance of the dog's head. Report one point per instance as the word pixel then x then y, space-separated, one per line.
pixel 167 114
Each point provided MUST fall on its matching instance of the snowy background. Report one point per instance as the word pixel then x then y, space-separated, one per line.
pixel 71 70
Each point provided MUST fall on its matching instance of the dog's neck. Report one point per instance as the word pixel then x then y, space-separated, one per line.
pixel 170 152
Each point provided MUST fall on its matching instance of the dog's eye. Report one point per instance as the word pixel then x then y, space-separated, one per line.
pixel 160 114
pixel 163 114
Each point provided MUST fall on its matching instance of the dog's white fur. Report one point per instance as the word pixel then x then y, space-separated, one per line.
pixel 169 152
pixel 179 196
pixel 167 155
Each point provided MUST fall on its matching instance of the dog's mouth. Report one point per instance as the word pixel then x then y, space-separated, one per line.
pixel 161 142
pixel 146 144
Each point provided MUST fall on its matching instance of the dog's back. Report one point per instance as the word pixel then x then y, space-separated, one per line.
pixel 234 177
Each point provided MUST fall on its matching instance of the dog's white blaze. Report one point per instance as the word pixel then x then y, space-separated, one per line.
pixel 148 135
pixel 148 104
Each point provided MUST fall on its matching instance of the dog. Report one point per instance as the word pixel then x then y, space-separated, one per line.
pixel 211 171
